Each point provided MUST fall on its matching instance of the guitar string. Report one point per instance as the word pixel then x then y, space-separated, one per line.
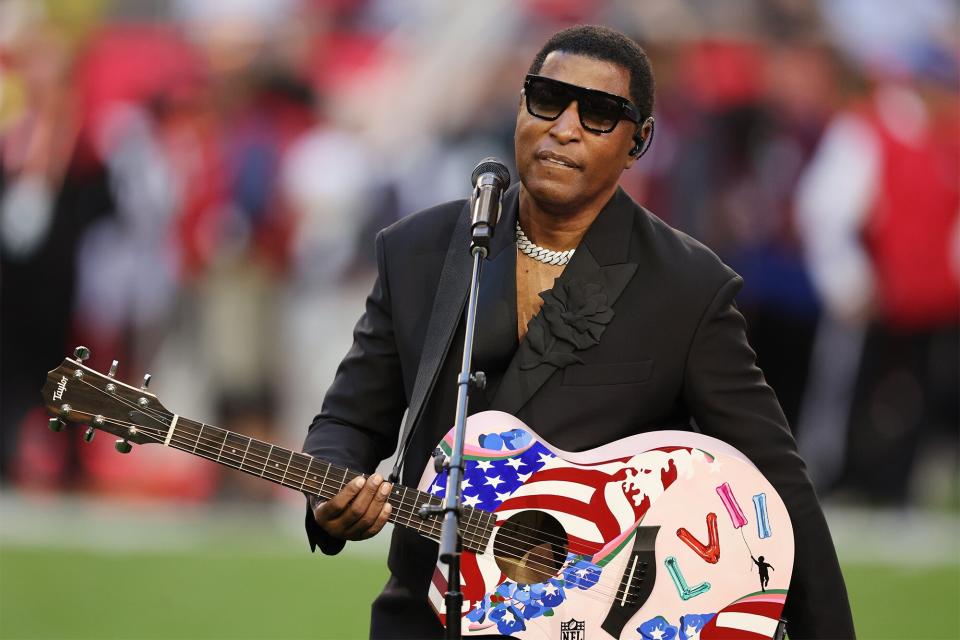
pixel 331 492
pixel 475 523
pixel 262 461
pixel 479 530
pixel 154 415
pixel 253 460
pixel 597 592
pixel 542 566
pixel 293 462
pixel 533 536
pixel 325 490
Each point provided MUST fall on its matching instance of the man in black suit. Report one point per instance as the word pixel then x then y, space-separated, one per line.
pixel 658 342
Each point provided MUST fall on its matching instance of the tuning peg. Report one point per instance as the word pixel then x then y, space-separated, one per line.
pixel 88 434
pixel 56 424
pixel 123 446
pixel 81 353
pixel 146 382
pixel 113 368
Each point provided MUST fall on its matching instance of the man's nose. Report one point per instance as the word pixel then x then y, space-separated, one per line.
pixel 566 128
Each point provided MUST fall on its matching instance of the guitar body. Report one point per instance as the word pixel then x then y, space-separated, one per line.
pixel 648 537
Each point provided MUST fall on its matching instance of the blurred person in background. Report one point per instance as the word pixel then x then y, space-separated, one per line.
pixel 52 188
pixel 676 309
pixel 759 109
pixel 880 211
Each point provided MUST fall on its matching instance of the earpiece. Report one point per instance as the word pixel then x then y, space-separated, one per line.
pixel 641 145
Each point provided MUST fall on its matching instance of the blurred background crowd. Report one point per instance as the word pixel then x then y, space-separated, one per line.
pixel 192 188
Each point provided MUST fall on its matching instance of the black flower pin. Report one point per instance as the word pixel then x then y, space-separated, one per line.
pixel 574 313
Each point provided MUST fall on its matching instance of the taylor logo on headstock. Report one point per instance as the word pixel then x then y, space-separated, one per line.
pixel 61 387
pixel 573 630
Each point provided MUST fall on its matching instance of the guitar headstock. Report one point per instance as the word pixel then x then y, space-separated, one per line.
pixel 76 393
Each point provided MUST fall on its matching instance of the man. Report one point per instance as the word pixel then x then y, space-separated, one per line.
pixel 673 349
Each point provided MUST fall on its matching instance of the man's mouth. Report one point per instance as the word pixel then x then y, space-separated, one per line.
pixel 557 159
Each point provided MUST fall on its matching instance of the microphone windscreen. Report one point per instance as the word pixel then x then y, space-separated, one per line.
pixel 494 166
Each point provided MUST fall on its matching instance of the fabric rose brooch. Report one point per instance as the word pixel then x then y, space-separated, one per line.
pixel 574 315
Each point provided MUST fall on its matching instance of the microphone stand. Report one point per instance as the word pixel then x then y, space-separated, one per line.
pixel 449 533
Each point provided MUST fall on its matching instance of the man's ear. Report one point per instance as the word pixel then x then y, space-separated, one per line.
pixel 641 140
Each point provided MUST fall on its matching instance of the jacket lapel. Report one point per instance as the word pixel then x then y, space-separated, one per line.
pixel 496 337
pixel 450 301
pixel 601 257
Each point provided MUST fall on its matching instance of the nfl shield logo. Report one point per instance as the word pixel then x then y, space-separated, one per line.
pixel 572 630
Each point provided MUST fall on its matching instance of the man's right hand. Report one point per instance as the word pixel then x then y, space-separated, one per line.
pixel 358 512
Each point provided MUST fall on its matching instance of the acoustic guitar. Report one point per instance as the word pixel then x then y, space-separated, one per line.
pixel 667 535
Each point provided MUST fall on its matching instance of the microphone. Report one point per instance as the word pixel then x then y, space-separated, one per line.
pixel 490 179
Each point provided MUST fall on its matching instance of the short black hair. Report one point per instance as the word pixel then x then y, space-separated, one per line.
pixel 603 43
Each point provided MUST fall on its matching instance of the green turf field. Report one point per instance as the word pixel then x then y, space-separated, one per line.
pixel 245 594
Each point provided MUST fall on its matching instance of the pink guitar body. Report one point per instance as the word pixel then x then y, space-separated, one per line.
pixel 651 537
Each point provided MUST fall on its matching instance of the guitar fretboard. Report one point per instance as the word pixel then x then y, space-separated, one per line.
pixel 311 475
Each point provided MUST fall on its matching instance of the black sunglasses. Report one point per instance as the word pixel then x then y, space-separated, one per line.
pixel 599 111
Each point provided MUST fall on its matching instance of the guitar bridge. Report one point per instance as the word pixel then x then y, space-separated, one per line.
pixel 637 581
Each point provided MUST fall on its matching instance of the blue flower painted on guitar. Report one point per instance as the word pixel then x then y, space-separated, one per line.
pixel 690 627
pixel 581 574
pixel 531 597
pixel 479 613
pixel 508 618
pixel 692 624
pixel 512 440
pixel 657 629
pixel 508 607
pixel 511 603
pixel 553 593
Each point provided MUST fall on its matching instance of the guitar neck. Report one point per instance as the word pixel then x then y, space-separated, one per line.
pixel 313 476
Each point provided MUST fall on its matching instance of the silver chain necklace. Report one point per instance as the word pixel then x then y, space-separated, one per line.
pixel 538 253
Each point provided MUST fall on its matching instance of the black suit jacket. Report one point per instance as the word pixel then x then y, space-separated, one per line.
pixel 675 355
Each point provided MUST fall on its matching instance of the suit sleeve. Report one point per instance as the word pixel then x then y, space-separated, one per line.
pixel 728 397
pixel 359 421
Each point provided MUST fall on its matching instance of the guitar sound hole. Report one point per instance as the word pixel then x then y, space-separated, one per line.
pixel 530 547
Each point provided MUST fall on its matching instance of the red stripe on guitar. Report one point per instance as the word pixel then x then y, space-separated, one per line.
pixel 768 610
pixel 588 477
pixel 597 513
